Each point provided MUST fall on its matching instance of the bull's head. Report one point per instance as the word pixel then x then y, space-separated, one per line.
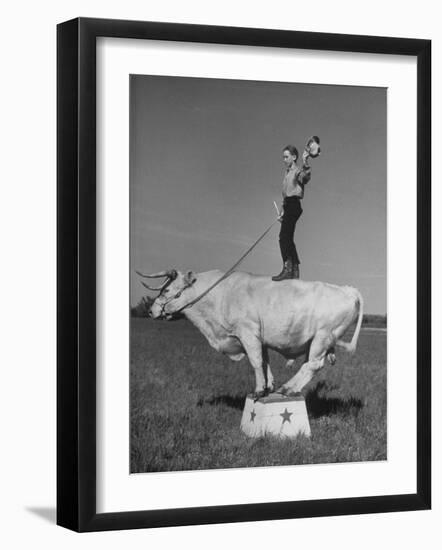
pixel 173 292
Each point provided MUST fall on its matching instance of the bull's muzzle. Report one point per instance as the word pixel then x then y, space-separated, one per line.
pixel 155 311
pixel 158 312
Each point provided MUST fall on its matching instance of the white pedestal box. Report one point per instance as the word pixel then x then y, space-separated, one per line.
pixel 275 415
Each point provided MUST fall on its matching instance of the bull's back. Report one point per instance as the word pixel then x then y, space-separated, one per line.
pixel 288 310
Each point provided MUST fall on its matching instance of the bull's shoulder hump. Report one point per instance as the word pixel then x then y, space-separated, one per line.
pixel 210 273
pixel 217 277
pixel 209 276
pixel 240 276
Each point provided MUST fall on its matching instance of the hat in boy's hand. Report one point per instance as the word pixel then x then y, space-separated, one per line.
pixel 312 148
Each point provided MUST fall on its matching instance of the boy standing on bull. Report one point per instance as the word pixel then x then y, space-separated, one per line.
pixel 293 192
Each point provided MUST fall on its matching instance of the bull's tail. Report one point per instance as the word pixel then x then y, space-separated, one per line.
pixel 351 346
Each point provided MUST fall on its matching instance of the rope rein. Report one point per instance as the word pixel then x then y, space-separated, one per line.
pixel 227 273
pixel 312 149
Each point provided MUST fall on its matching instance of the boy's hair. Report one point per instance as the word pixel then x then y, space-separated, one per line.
pixel 292 150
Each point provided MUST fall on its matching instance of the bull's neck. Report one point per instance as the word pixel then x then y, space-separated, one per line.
pixel 200 315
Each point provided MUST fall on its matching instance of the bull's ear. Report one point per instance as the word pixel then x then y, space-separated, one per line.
pixel 190 278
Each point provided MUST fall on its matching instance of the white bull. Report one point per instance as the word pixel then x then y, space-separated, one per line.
pixel 248 315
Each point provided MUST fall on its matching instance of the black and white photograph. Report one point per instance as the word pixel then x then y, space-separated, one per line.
pixel 258 273
pixel 219 241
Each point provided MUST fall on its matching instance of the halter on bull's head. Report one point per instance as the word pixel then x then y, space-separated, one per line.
pixel 172 296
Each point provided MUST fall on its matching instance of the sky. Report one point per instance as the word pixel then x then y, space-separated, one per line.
pixel 206 166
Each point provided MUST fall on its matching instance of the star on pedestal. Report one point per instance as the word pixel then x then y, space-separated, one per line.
pixel 252 416
pixel 286 416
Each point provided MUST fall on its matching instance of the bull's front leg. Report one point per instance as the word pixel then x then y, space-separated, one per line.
pixel 253 348
pixel 270 384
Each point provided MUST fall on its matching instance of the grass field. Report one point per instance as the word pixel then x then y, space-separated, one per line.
pixel 187 399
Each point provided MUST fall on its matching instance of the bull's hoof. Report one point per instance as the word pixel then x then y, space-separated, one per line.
pixel 287 392
pixel 258 394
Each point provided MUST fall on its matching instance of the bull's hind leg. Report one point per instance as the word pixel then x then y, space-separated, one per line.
pixel 318 350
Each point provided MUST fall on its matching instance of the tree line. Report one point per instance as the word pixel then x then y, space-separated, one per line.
pixel 144 305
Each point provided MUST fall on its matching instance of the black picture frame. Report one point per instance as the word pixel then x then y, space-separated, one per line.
pixel 76 274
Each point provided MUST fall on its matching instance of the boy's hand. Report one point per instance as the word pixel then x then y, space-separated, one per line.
pixel 279 212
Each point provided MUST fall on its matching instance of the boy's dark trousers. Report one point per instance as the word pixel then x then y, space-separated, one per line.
pixel 292 213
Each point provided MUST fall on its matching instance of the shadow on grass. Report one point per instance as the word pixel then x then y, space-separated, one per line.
pixel 317 403
pixel 235 402
pixel 320 405
pixel 46 513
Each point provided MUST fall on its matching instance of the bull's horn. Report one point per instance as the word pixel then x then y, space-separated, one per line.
pixel 170 274
pixel 156 287
pixel 154 275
